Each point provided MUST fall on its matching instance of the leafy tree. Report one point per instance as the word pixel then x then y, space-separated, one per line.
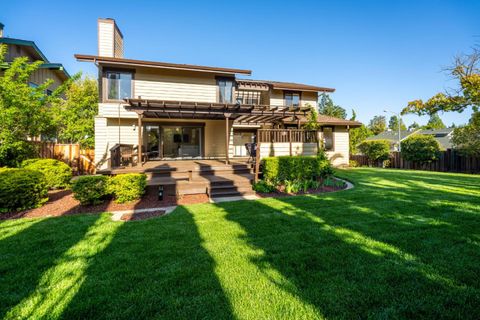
pixel 328 108
pixel 312 121
pixel 357 136
pixel 466 71
pixel 414 126
pixel 420 148
pixel 354 116
pixel 375 150
pixel 393 124
pixel 466 139
pixel 74 117
pixel 24 110
pixel 378 124
pixel 435 122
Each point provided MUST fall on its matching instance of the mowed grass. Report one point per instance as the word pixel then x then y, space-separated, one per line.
pixel 402 244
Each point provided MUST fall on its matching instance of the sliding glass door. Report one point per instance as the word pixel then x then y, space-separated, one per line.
pixel 181 142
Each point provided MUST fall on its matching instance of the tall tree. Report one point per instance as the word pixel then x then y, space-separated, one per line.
pixel 414 126
pixel 378 124
pixel 354 115
pixel 466 71
pixel 24 110
pixel 467 138
pixel 74 117
pixel 357 136
pixel 435 122
pixel 328 108
pixel 393 124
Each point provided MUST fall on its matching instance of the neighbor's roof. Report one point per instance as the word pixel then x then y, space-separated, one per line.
pixel 37 54
pixel 288 85
pixel 156 64
pixel 443 136
pixel 391 135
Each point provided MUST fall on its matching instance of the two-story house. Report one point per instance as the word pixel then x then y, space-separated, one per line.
pixel 183 111
pixel 26 48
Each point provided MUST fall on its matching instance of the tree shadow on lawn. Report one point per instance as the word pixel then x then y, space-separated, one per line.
pixel 352 264
pixel 30 247
pixel 155 268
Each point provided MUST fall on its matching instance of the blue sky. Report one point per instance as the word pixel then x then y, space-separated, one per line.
pixel 377 54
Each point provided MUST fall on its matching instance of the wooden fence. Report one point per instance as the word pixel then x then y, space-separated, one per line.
pixel 81 160
pixel 448 161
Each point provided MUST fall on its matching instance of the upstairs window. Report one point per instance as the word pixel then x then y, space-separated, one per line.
pixel 248 97
pixel 292 99
pixel 225 88
pixel 328 138
pixel 119 85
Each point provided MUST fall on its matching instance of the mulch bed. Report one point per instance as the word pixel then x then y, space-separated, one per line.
pixel 61 202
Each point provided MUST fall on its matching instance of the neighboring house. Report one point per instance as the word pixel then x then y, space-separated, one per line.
pixel 392 136
pixel 25 48
pixel 181 111
pixel 443 136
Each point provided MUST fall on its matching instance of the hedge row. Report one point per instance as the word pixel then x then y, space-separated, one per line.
pixel 290 168
pixel 123 187
pixel 21 189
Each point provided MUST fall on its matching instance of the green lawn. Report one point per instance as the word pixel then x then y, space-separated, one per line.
pixel 402 244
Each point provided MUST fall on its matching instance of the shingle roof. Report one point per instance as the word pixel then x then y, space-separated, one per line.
pixel 391 135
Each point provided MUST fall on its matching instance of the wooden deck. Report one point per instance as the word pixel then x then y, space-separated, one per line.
pixel 180 177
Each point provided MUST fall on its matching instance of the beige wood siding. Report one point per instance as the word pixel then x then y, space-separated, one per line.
pixel 178 86
pixel 42 75
pixel 277 99
pixel 105 38
pixel 112 110
pixel 340 155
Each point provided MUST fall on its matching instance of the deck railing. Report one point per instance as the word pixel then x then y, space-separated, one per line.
pixel 121 155
pixel 287 135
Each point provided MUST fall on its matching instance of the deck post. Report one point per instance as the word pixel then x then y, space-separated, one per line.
pixel 257 156
pixel 140 140
pixel 290 140
pixel 227 138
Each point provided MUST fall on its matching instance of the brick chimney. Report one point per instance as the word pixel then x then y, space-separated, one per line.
pixel 110 39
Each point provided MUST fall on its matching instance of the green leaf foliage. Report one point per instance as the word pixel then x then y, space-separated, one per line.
pixel 435 122
pixel 393 124
pixel 263 186
pixel 420 148
pixel 378 124
pixel 21 189
pixel 357 136
pixel 466 139
pixel 57 173
pixel 127 187
pixel 90 189
pixel 13 152
pixel 283 168
pixel 375 150
pixel 328 108
pixel 74 117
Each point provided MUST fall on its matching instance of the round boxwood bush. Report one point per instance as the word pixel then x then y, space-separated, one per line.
pixel 90 189
pixel 127 187
pixel 58 173
pixel 21 189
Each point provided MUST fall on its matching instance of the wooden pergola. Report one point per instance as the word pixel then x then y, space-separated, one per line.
pixel 237 113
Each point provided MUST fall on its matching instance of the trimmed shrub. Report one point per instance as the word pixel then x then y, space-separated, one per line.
pixel 90 189
pixel 21 189
pixel 375 150
pixel 421 148
pixel 263 186
pixel 57 173
pixel 127 187
pixel 353 164
pixel 283 168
